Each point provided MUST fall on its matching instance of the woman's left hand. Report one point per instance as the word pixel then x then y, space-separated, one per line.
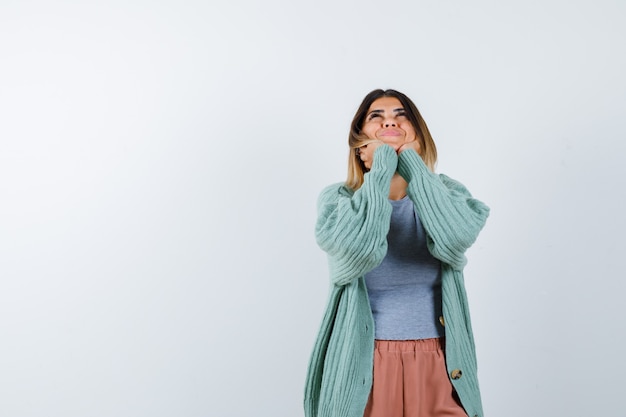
pixel 414 144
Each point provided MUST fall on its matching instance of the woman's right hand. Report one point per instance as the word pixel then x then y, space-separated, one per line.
pixel 366 152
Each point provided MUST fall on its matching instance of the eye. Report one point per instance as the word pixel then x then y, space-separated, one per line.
pixel 373 115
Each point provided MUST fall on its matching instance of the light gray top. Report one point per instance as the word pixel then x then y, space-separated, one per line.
pixel 405 289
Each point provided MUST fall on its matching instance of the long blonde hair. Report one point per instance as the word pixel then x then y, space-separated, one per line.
pixel 356 139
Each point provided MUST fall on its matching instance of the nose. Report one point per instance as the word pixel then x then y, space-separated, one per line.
pixel 389 123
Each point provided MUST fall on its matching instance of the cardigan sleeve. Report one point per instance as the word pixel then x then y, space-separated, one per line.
pixel 352 226
pixel 451 217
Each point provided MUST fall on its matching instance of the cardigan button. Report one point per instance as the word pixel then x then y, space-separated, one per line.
pixel 442 321
pixel 456 374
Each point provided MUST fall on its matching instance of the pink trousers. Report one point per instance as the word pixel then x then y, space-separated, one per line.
pixel 410 380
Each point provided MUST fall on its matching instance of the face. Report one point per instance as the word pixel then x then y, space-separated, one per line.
pixel 386 120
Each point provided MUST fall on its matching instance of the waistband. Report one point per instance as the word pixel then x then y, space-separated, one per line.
pixel 421 345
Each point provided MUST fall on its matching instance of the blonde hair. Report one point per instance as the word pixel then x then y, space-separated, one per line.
pixel 356 168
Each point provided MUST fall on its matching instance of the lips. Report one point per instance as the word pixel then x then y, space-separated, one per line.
pixel 390 133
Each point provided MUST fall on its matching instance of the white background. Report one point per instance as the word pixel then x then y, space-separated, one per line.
pixel 160 163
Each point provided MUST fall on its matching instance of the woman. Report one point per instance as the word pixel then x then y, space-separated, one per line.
pixel 396 338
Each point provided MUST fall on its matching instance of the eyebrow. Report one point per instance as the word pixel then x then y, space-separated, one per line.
pixel 398 110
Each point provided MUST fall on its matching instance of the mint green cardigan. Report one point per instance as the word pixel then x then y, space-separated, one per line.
pixel 352 228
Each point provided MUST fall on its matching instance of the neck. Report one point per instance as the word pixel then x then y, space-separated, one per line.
pixel 397 191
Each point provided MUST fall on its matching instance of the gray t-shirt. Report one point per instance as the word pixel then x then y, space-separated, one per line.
pixel 405 289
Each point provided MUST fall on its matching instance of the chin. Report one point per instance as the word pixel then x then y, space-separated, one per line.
pixel 393 140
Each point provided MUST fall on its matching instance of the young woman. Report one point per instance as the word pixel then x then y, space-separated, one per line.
pixel 396 339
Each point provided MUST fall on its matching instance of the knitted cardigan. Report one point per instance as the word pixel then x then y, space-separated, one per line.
pixel 352 228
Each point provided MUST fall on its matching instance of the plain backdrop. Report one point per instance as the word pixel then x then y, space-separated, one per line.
pixel 160 163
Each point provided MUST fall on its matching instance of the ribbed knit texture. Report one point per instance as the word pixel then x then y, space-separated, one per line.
pixel 352 228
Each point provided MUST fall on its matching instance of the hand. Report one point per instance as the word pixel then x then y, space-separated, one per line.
pixel 414 144
pixel 366 152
